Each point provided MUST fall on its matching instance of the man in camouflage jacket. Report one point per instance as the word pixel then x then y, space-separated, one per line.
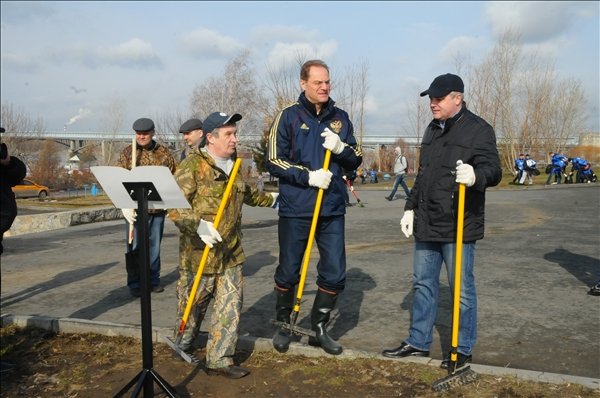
pixel 148 153
pixel 203 178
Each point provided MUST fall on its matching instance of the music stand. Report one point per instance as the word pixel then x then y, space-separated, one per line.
pixel 151 187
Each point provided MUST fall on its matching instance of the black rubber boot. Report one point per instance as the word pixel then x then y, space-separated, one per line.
pixel 319 316
pixel 283 308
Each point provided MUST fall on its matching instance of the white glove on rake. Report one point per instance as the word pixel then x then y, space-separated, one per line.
pixel 207 232
pixel 319 178
pixel 332 142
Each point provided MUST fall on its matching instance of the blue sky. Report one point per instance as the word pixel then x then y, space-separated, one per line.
pixel 66 62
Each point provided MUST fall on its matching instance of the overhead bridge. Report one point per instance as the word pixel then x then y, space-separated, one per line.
pixel 245 139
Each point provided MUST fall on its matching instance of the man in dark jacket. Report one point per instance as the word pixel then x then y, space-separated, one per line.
pixel 299 138
pixel 12 172
pixel 458 147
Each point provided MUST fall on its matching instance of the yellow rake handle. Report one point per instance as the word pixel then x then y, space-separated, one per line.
pixel 311 236
pixel 222 205
pixel 458 271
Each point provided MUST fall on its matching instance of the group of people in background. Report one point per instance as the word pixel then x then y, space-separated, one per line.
pixel 526 169
pixel 581 170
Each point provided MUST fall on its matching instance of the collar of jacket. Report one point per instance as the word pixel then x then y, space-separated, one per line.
pixel 325 110
pixel 211 161
pixel 451 121
pixel 152 146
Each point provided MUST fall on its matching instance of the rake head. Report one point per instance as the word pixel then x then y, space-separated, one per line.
pixel 459 378
pixel 297 330
pixel 189 358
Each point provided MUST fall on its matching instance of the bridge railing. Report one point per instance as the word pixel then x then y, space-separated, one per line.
pixel 246 139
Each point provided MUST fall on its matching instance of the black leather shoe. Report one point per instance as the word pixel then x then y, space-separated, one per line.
pixel 135 292
pixel 231 372
pixel 404 350
pixel 461 361
pixel 158 289
pixel 595 290
pixel 389 198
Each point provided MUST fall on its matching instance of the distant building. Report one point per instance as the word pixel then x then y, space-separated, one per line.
pixel 590 139
pixel 81 162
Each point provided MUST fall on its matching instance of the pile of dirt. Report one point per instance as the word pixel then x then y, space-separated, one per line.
pixel 89 365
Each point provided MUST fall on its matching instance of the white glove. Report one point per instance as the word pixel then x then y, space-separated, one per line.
pixel 208 233
pixel 332 141
pixel 406 223
pixel 319 178
pixel 275 204
pixel 465 173
pixel 130 215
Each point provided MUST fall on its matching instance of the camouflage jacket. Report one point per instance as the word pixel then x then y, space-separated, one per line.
pixel 157 155
pixel 203 185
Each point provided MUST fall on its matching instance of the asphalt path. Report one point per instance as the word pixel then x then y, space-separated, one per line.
pixel 533 269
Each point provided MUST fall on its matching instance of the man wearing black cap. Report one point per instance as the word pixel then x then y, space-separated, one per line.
pixel 12 172
pixel 148 153
pixel 203 176
pixel 192 134
pixel 458 147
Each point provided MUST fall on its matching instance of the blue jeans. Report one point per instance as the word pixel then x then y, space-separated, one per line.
pixel 156 226
pixel 557 174
pixel 293 238
pixel 428 260
pixel 399 180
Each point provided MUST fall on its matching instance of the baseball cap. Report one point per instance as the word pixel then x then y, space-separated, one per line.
pixel 218 119
pixel 444 85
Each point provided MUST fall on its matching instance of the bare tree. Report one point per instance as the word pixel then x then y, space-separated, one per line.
pixel 47 168
pixel 529 106
pixel 236 91
pixel 168 124
pixel 16 122
pixel 114 117
pixel 565 113
pixel 283 83
pixel 494 96
pixel 356 84
pixel 418 118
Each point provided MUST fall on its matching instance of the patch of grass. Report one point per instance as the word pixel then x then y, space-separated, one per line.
pixel 90 365
pixel 67 202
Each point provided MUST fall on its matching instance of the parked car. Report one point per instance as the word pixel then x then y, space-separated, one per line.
pixel 29 189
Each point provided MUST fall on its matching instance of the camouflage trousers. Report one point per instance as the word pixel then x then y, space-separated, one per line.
pixel 225 291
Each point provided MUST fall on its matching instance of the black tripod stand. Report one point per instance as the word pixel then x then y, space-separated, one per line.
pixel 142 192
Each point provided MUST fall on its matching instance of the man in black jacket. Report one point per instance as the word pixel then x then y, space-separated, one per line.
pixel 458 147
pixel 12 172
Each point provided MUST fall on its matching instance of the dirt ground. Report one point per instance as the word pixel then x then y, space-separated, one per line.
pixel 89 365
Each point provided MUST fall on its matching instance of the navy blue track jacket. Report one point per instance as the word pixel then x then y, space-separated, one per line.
pixel 296 147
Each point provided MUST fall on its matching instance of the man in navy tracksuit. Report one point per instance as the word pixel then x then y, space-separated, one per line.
pixel 299 138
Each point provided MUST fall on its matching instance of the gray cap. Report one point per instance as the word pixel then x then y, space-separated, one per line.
pixel 143 124
pixel 218 119
pixel 191 125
